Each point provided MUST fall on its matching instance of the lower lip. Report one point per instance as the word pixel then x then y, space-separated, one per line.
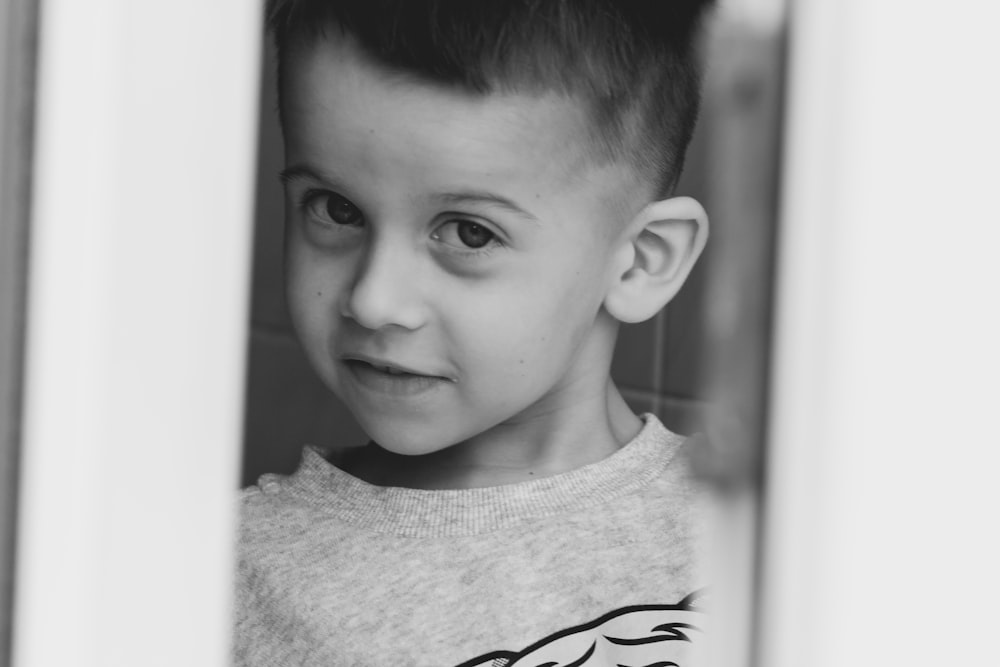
pixel 390 384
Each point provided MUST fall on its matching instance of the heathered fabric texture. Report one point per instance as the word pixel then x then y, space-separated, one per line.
pixel 337 572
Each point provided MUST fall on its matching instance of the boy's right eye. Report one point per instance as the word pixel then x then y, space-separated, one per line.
pixel 332 208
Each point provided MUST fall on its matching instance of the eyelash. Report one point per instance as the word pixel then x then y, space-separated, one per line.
pixel 314 196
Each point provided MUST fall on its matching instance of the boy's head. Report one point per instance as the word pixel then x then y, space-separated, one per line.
pixel 632 64
pixel 473 202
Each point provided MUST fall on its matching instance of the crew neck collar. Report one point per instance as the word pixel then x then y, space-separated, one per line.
pixel 455 512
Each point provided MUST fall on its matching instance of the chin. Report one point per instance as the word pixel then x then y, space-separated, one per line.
pixel 406 438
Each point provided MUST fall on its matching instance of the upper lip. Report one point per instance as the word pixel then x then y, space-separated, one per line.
pixel 380 363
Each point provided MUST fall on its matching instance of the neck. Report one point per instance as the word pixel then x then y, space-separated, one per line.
pixel 588 428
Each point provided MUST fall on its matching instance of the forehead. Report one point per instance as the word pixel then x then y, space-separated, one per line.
pixel 339 105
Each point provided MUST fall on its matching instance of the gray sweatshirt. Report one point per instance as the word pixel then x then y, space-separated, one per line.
pixel 596 566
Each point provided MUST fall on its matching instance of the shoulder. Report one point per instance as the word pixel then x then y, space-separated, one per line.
pixel 267 513
pixel 667 453
pixel 280 509
pixel 672 504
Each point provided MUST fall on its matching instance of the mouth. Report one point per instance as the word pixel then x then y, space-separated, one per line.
pixel 390 378
pixel 382 368
pixel 388 367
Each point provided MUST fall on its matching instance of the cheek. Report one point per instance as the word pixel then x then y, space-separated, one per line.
pixel 568 291
pixel 531 322
pixel 312 288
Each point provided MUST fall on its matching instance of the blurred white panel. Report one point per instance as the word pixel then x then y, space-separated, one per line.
pixel 883 546
pixel 136 331
pixel 758 15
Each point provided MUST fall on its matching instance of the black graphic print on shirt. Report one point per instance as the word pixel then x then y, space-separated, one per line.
pixel 637 636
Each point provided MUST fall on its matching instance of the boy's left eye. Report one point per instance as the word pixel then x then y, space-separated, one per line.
pixel 464 234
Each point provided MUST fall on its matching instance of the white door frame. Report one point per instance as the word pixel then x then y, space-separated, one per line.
pixel 882 492
pixel 137 310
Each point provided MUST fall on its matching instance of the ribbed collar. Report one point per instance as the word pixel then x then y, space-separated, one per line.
pixel 438 513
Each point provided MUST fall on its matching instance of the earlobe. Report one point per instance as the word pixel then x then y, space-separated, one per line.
pixel 664 241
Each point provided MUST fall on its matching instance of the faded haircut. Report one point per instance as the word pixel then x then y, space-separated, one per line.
pixel 634 63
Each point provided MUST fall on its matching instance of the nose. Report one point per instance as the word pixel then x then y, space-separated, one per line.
pixel 385 291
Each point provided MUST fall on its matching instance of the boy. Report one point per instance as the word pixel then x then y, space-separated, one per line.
pixel 477 195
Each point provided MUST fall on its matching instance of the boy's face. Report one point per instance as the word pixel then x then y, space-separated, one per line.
pixel 464 240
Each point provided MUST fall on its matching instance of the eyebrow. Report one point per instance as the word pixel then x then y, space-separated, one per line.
pixel 301 171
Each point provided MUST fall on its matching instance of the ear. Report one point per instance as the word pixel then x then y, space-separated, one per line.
pixel 659 248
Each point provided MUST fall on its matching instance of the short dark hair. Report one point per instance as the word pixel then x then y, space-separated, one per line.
pixel 635 63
